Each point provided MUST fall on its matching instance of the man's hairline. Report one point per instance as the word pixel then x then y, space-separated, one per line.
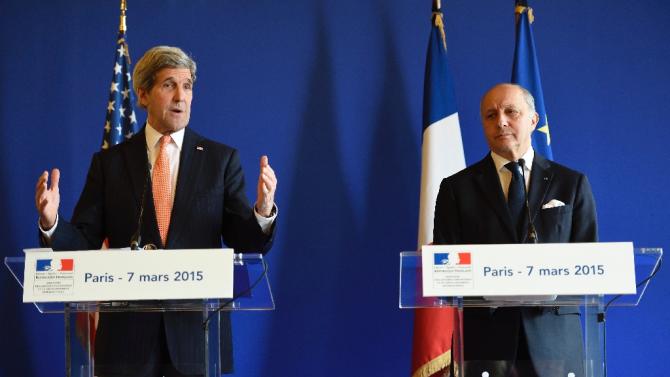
pixel 524 93
pixel 155 81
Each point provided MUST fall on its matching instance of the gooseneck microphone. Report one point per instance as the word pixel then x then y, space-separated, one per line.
pixel 136 239
pixel 532 232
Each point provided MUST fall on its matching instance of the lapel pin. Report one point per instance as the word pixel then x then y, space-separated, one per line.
pixel 200 148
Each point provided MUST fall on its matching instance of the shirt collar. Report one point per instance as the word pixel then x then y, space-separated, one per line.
pixel 501 161
pixel 154 136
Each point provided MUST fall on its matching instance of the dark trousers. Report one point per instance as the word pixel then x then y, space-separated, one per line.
pixel 521 366
pixel 158 365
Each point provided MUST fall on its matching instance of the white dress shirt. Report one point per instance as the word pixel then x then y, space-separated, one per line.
pixel 505 175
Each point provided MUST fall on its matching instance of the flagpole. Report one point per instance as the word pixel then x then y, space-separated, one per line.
pixel 123 28
pixel 122 20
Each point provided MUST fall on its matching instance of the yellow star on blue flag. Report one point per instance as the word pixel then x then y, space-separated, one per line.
pixel 526 72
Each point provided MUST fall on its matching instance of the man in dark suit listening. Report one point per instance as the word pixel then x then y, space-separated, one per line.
pixel 193 194
pixel 484 204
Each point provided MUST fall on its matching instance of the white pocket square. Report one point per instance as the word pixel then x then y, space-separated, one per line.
pixel 553 203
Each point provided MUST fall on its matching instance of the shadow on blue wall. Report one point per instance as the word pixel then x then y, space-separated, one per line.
pixel 320 238
pixel 391 214
pixel 339 313
pixel 12 315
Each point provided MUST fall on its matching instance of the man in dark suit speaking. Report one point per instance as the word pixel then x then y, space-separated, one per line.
pixel 193 195
pixel 485 204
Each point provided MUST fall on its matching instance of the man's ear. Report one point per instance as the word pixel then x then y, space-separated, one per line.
pixel 142 96
pixel 535 119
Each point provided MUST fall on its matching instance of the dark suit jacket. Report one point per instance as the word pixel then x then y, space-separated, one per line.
pixel 209 204
pixel 471 209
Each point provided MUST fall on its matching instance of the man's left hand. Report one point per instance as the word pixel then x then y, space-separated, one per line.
pixel 267 185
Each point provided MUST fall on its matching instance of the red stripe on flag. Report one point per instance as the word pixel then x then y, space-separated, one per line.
pixel 85 323
pixel 431 351
pixel 66 264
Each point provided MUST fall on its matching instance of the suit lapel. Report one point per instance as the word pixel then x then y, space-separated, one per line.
pixel 489 185
pixel 540 180
pixel 137 162
pixel 190 164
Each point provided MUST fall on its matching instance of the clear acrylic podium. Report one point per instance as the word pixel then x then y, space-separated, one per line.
pixel 593 308
pixel 251 292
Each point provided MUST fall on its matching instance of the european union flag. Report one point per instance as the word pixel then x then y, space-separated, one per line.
pixel 526 72
pixel 120 122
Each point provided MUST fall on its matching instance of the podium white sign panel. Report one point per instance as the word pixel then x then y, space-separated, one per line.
pixel 528 269
pixel 106 275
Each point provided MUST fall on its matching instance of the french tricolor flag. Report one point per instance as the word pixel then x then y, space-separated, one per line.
pixel 452 259
pixel 441 156
pixel 442 147
pixel 54 265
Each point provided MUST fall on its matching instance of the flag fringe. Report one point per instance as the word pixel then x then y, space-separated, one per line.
pixel 439 23
pixel 435 365
pixel 520 9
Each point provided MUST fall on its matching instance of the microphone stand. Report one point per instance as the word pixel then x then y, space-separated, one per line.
pixel 532 232
pixel 136 239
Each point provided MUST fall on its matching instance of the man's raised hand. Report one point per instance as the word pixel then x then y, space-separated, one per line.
pixel 267 185
pixel 47 198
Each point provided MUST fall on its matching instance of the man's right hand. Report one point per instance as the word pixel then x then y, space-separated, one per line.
pixel 47 199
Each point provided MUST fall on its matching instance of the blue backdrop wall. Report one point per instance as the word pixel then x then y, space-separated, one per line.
pixel 332 92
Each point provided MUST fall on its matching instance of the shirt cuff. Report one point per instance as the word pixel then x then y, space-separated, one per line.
pixel 265 222
pixel 48 233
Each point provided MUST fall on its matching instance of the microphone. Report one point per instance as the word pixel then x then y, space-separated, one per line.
pixel 532 232
pixel 136 239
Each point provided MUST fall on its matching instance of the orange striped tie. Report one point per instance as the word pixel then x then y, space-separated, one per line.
pixel 161 188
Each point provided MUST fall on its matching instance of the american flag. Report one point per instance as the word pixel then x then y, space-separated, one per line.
pixel 120 122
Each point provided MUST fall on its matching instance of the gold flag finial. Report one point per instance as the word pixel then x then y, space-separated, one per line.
pixel 438 21
pixel 122 20
pixel 122 30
